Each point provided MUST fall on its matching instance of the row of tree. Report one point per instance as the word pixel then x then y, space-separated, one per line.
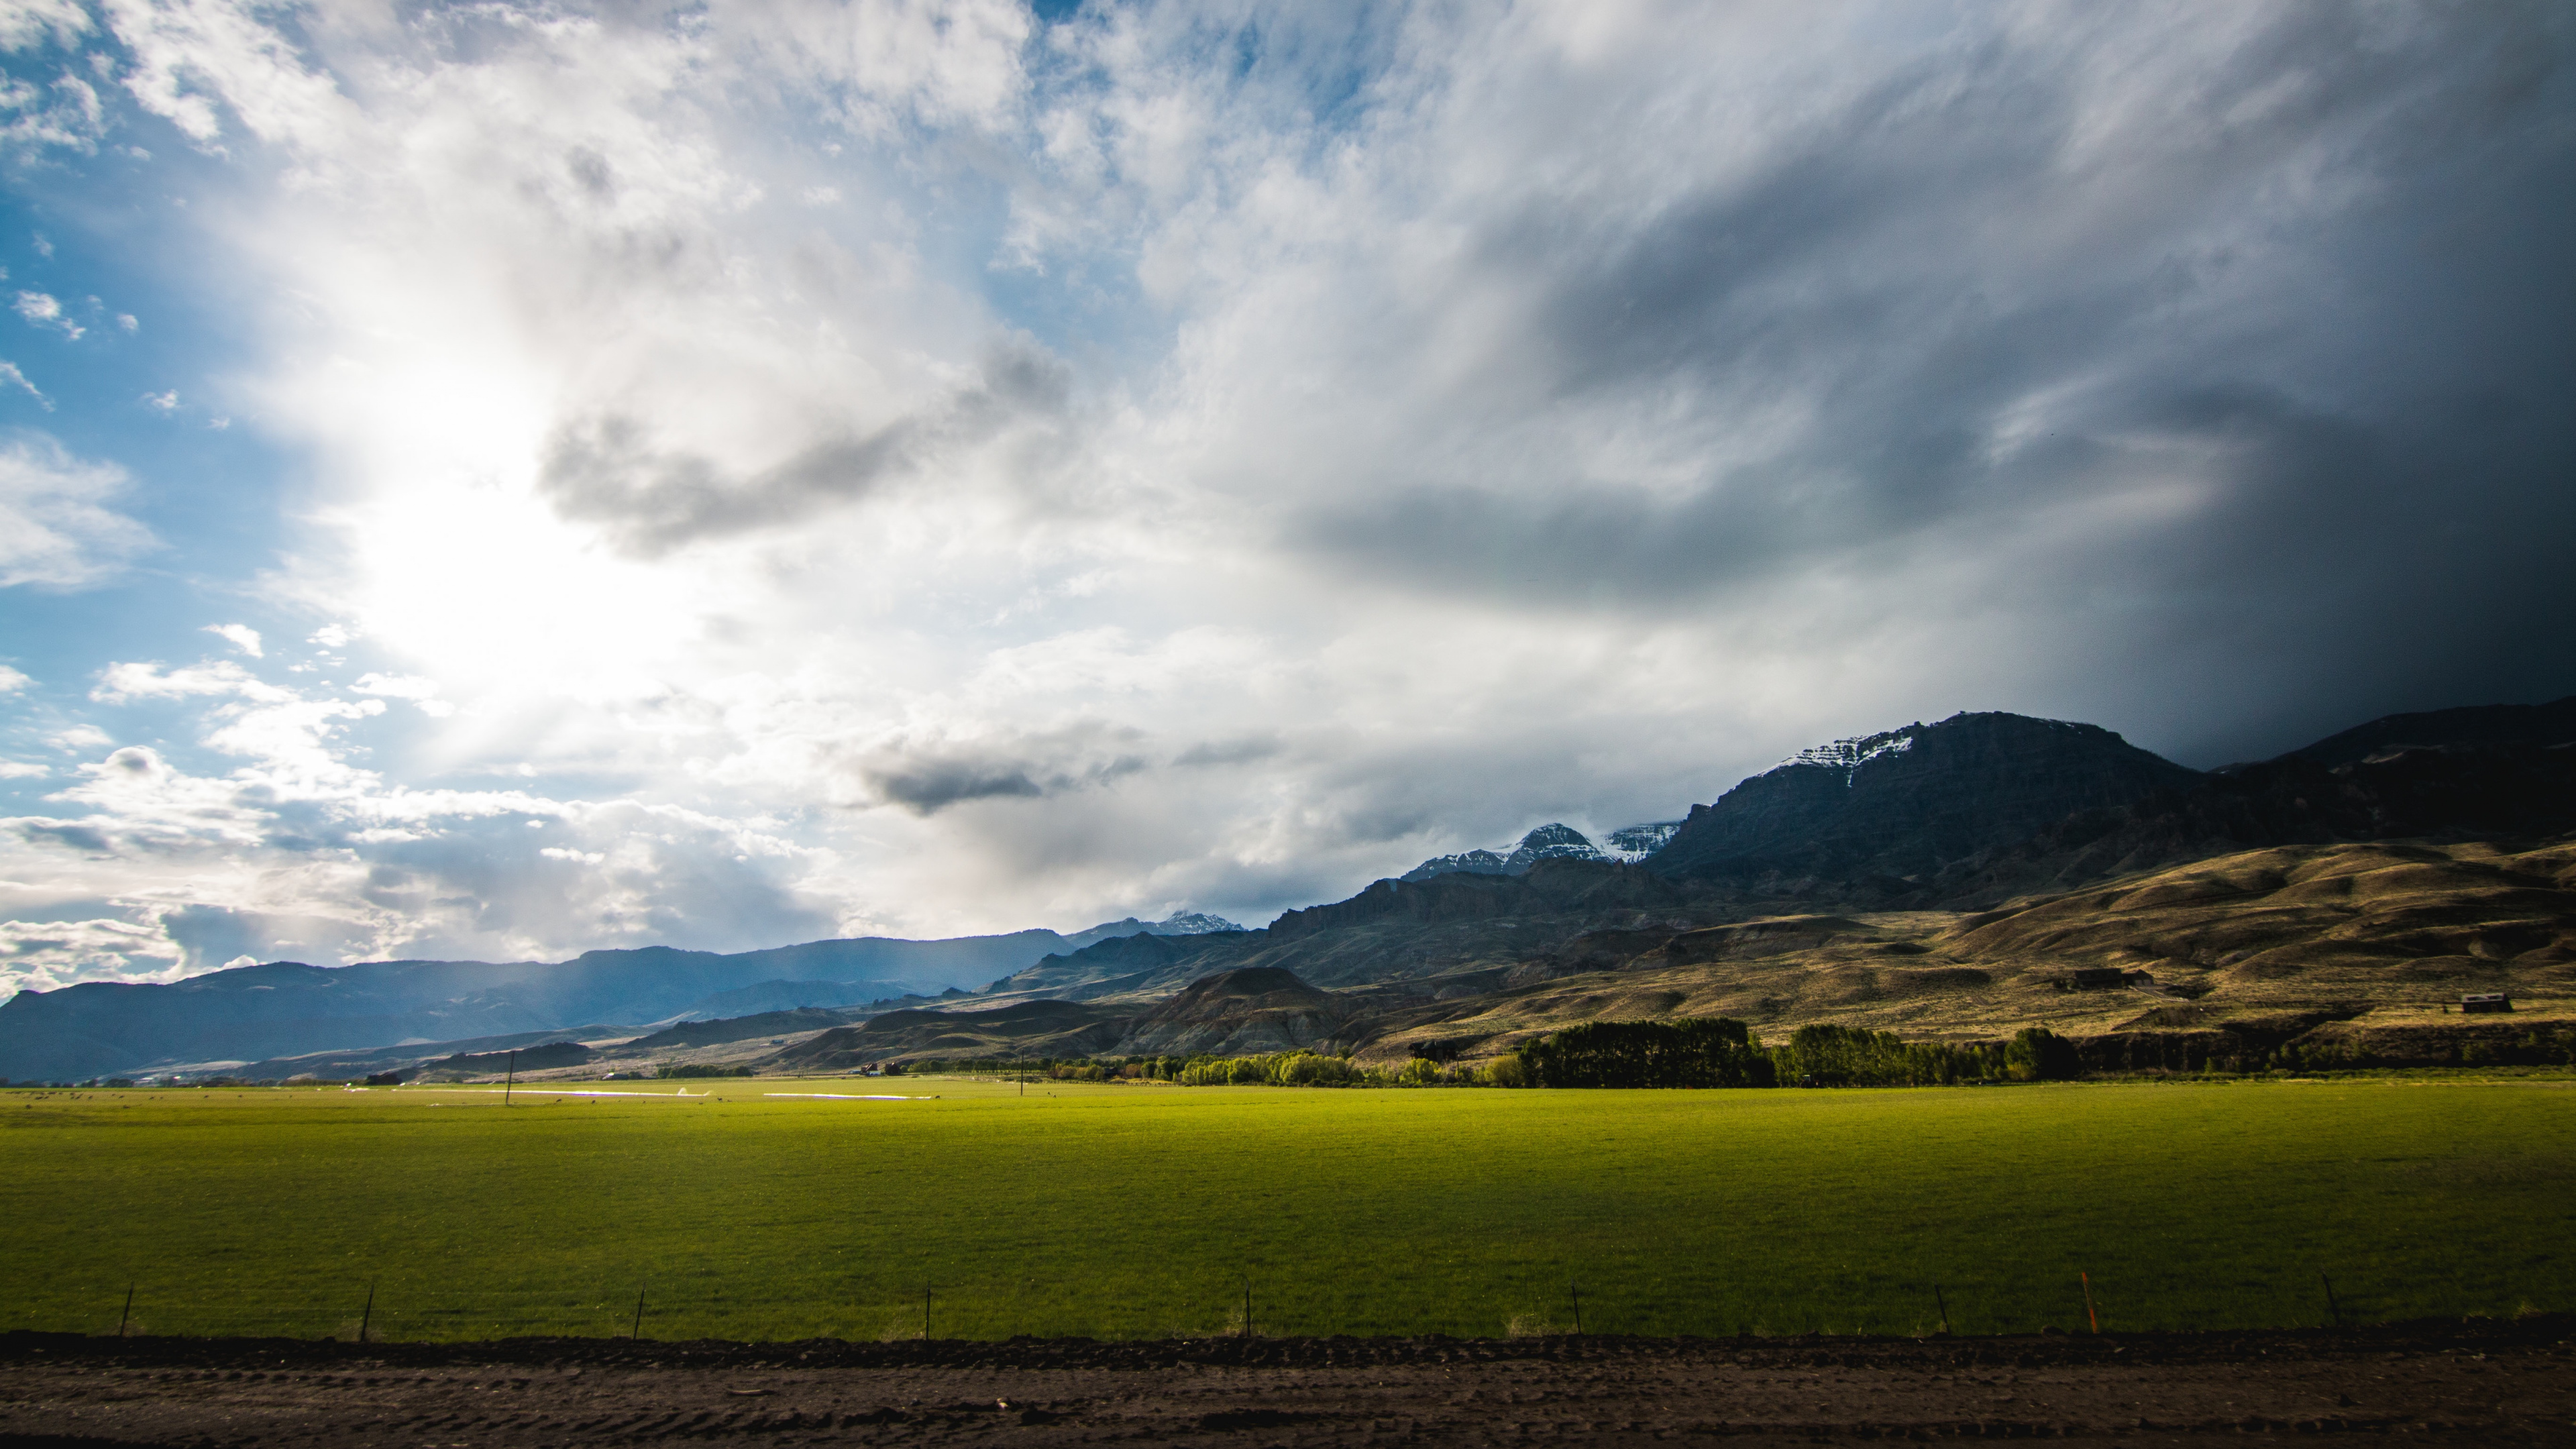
pixel 1687 1052
pixel 1722 1052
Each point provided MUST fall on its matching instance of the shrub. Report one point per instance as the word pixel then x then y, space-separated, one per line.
pixel 695 1070
pixel 1508 1071
pixel 1283 1069
pixel 2036 1054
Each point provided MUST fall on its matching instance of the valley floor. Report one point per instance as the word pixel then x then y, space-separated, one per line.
pixel 2482 1383
pixel 762 1210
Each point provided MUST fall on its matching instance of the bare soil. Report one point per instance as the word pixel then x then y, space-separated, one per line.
pixel 2482 1383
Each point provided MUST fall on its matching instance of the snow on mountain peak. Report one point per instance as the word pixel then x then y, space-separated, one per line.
pixel 1849 755
pixel 1633 843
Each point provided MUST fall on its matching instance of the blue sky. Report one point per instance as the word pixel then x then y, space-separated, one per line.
pixel 727 476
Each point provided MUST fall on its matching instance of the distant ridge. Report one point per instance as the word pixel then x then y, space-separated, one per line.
pixel 2553 723
pixel 2491 772
pixel 288 1008
pixel 1906 802
pixel 1555 841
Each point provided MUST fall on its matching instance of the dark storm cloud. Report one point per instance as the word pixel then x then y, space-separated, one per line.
pixel 209 936
pixel 2324 283
pixel 929 774
pixel 608 469
pixel 926 787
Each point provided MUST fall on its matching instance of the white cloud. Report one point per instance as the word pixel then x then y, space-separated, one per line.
pixel 11 681
pixel 124 683
pixel 241 636
pixel 397 686
pixel 10 376
pixel 161 401
pixel 1348 410
pixel 45 955
pixel 423 693
pixel 191 54
pixel 80 737
pixel 880 62
pixel 42 310
pixel 126 320
pixel 36 116
pixel 23 770
pixel 55 527
pixel 26 23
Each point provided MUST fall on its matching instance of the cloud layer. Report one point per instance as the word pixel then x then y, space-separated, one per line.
pixel 766 472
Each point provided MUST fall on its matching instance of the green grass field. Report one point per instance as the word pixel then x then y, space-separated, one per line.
pixel 1125 1211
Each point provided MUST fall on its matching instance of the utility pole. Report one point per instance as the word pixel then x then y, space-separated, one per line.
pixel 512 1081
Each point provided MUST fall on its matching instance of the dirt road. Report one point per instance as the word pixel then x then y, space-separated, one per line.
pixel 2475 1383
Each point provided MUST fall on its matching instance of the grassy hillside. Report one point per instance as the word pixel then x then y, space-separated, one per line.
pixel 1140 1211
pixel 2375 937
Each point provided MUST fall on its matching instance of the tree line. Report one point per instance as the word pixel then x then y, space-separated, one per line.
pixel 1686 1052
pixel 1703 1052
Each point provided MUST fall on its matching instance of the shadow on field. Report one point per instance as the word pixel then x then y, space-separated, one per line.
pixel 2478 1381
pixel 1129 1355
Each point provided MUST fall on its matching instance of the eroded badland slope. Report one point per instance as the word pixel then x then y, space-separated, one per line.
pixel 2350 939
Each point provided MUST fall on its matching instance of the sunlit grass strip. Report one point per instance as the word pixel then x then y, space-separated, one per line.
pixel 1141 1211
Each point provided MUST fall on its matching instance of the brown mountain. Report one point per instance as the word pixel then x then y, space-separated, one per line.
pixel 1241 1013
pixel 1021 1030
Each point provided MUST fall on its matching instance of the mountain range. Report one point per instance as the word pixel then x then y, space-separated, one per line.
pixel 286 1008
pixel 1958 816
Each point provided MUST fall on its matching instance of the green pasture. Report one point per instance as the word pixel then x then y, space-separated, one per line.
pixel 1142 1211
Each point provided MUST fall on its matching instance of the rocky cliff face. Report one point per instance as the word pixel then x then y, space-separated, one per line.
pixel 1636 842
pixel 1909 801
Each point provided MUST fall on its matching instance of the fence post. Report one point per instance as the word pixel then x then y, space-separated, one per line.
pixel 2089 1315
pixel 2331 1305
pixel 637 1332
pixel 128 1314
pixel 1944 1305
pixel 368 1314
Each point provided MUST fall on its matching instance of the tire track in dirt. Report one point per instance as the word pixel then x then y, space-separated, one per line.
pixel 2508 1384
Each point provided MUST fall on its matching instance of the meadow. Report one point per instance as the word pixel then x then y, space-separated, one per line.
pixel 1144 1211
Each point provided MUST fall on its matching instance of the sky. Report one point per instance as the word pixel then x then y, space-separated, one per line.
pixel 497 481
